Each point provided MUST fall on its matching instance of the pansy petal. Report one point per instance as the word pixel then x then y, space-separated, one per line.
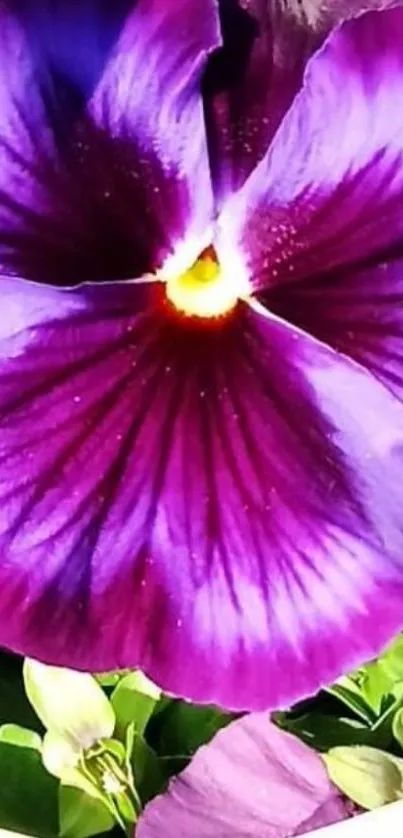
pixel 210 495
pixel 51 58
pixel 250 84
pixel 17 146
pixel 357 311
pixel 329 191
pixel 252 780
pixel 105 195
pixel 150 95
pixel 54 53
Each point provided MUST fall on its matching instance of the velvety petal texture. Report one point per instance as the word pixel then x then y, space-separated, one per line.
pixel 252 781
pixel 320 221
pixel 51 57
pixel 218 504
pixel 111 192
pixel 150 97
pixel 153 481
pixel 328 192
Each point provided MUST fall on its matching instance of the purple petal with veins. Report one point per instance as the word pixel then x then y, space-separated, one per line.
pixel 238 536
pixel 116 195
pixel 328 193
pixel 320 221
pixel 217 502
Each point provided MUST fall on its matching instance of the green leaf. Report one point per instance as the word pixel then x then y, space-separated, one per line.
pixel 126 808
pixel 133 701
pixel 69 703
pixel 28 794
pixel 353 700
pixel 182 728
pixel 111 679
pixel 375 686
pixel 148 774
pixel 391 661
pixel 322 731
pixel 364 691
pixel 382 735
pixel 398 727
pixel 81 815
pixel 20 736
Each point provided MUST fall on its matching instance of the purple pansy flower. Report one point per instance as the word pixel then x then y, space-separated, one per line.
pixel 252 781
pixel 201 419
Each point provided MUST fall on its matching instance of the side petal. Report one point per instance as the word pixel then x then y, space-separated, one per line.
pixel 329 191
pixel 220 507
pixel 358 312
pixel 251 780
pixel 249 86
pixel 109 193
pixel 51 58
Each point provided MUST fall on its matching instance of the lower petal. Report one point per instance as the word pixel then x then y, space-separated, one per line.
pixel 218 506
pixel 252 780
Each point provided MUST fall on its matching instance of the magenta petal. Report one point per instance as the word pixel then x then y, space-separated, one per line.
pixel 219 507
pixel 329 191
pixel 252 781
pixel 250 84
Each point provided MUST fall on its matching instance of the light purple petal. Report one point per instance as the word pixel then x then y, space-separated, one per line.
pixel 329 191
pixel 250 84
pixel 252 781
pixel 110 193
pixel 219 506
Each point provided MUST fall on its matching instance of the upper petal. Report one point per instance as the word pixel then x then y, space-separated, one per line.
pixel 249 86
pixel 150 94
pixel 51 58
pixel 252 780
pixel 220 507
pixel 329 191
pixel 105 190
pixel 323 14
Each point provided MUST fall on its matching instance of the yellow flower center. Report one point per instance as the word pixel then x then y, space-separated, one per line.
pixel 204 290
